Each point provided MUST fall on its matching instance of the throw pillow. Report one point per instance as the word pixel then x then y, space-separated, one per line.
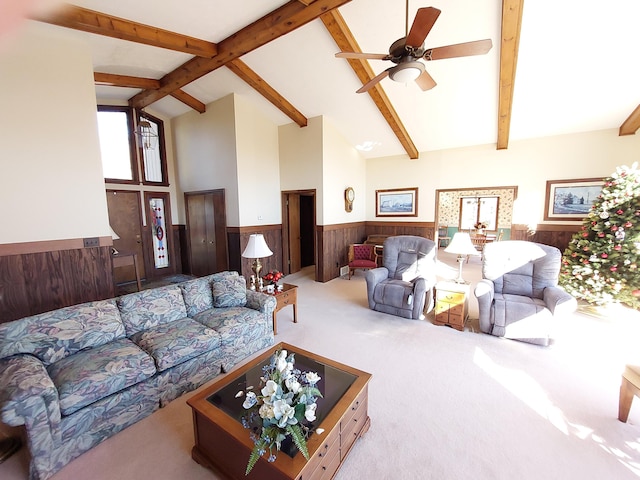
pixel 229 292
pixel 197 296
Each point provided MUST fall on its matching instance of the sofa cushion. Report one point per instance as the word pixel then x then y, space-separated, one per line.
pixel 96 373
pixel 54 335
pixel 197 295
pixel 230 291
pixel 173 343
pixel 231 321
pixel 149 308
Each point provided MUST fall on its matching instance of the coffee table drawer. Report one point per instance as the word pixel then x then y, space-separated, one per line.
pixel 329 465
pixel 325 452
pixel 352 424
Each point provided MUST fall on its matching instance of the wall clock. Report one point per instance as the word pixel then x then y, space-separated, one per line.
pixel 349 195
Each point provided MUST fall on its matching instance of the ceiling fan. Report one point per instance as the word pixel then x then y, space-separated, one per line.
pixel 407 52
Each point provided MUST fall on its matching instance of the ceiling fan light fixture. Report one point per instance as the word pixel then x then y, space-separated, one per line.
pixel 406 72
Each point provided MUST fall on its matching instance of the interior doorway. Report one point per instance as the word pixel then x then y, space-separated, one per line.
pixel 298 230
pixel 125 218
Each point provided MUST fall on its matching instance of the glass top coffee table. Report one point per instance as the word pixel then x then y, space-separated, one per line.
pixel 224 445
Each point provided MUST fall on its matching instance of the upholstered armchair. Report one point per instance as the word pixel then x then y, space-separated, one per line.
pixel 362 256
pixel 518 296
pixel 403 286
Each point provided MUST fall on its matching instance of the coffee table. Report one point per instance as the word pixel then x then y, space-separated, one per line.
pixel 223 444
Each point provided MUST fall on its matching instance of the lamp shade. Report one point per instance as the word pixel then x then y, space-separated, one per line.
pixel 257 247
pixel 461 245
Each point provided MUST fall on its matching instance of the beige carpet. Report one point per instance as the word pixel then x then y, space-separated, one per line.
pixel 443 404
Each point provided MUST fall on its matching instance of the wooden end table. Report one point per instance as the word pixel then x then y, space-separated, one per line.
pixel 288 296
pixel 452 300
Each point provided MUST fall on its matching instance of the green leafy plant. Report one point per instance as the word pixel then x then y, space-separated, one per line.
pixel 285 402
pixel 600 265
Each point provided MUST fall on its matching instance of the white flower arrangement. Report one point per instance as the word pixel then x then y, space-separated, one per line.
pixel 287 398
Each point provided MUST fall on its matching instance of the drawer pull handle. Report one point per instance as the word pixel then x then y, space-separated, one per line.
pixel 355 406
pixel 324 468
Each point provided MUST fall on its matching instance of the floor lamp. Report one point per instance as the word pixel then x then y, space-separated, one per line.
pixel 461 246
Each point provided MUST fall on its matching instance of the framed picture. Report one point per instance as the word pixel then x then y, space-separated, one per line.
pixel 399 202
pixel 571 199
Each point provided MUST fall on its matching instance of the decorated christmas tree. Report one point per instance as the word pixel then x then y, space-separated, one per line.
pixel 602 263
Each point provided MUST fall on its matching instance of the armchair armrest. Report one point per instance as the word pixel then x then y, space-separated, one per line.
pixel 261 301
pixel 419 291
pixel 373 277
pixel 28 395
pixel 559 301
pixel 485 294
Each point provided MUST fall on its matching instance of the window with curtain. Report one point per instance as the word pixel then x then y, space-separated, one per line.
pixel 124 156
pixel 474 210
pixel 154 170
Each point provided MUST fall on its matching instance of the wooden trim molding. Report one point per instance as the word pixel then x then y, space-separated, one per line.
pixel 25 248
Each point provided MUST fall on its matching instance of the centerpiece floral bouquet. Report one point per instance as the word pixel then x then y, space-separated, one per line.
pixel 272 277
pixel 287 398
pixel 480 225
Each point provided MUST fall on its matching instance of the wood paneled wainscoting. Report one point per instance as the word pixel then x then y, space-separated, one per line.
pixel 555 235
pixel 37 277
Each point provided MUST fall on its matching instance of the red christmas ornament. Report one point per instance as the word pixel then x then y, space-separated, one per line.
pixel 604 255
pixel 618 247
pixel 636 293
pixel 628 225
pixel 613 269
pixel 620 212
pixel 600 234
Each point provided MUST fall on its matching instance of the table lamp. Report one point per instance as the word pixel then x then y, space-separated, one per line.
pixel 461 245
pixel 114 236
pixel 256 248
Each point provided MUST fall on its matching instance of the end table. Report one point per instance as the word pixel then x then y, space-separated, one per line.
pixel 452 300
pixel 288 296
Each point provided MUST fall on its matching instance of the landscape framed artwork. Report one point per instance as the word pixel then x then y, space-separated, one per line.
pixel 397 202
pixel 571 199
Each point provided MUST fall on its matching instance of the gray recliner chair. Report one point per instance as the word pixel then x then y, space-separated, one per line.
pixel 404 283
pixel 519 296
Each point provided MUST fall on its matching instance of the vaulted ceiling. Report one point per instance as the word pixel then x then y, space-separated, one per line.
pixel 555 67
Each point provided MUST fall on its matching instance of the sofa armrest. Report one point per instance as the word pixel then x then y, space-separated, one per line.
pixel 485 293
pixel 261 301
pixel 28 395
pixel 559 301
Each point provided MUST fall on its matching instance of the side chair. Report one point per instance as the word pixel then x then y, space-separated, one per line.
pixel 362 256
pixel 629 388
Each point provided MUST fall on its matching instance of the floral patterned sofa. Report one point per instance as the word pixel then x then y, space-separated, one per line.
pixel 75 376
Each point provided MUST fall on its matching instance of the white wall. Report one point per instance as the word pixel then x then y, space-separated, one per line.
pixel 301 160
pixel 527 164
pixel 51 183
pixel 205 152
pixel 258 166
pixel 343 167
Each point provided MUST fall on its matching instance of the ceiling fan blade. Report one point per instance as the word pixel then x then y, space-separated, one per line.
pixel 425 81
pixel 367 86
pixel 370 56
pixel 479 47
pixel 422 25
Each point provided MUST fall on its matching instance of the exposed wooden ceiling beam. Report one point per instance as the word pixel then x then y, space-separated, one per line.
pixel 90 21
pixel 242 70
pixel 188 100
pixel 113 80
pixel 510 41
pixel 631 124
pixel 343 37
pixel 279 22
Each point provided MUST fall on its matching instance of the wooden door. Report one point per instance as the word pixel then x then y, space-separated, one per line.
pixel 206 232
pixel 293 216
pixel 126 220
